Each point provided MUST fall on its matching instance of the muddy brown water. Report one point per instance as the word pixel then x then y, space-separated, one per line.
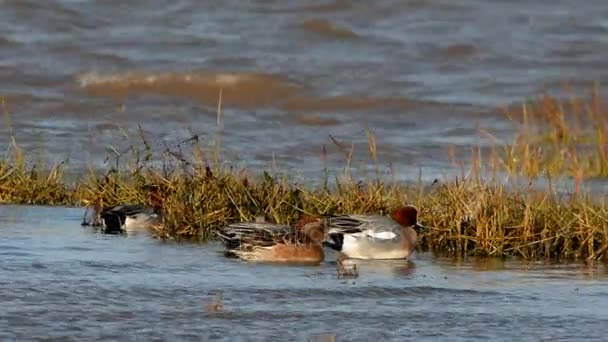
pixel 60 281
pixel 78 76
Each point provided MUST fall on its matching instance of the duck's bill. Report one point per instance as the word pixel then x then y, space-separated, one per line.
pixel 418 226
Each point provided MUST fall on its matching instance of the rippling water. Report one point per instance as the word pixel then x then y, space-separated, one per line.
pixel 60 281
pixel 78 76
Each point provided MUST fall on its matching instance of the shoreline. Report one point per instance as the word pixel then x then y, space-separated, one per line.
pixel 467 217
pixel 477 213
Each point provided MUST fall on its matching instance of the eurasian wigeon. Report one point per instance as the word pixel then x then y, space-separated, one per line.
pixel 268 242
pixel 128 218
pixel 374 236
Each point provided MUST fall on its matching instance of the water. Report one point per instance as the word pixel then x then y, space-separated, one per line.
pixel 423 75
pixel 64 282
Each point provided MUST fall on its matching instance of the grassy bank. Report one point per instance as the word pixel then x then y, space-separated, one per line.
pixel 476 215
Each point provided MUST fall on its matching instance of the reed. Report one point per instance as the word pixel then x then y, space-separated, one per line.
pixel 474 215
pixel 20 183
pixel 556 138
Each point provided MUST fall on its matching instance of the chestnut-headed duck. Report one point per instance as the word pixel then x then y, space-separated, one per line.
pixel 374 236
pixel 268 242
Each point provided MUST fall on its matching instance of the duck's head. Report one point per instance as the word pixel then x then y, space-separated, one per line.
pixel 312 227
pixel 407 216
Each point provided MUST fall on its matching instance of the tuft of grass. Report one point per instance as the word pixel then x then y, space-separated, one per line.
pixel 555 138
pixel 464 216
pixel 20 183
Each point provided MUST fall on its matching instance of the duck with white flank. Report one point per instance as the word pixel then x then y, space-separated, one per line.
pixel 374 236
pixel 129 218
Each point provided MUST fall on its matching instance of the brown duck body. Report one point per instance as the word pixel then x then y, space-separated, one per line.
pixel 268 242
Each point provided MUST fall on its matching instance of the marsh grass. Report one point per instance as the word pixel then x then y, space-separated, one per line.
pixel 474 215
pixel 20 183
pixel 556 138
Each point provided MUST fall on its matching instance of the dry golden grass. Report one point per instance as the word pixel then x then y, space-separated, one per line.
pixel 556 138
pixel 472 216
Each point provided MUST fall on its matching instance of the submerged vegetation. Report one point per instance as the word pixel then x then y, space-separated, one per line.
pixel 473 215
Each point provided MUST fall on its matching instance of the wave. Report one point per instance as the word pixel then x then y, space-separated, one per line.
pixel 239 89
pixel 325 28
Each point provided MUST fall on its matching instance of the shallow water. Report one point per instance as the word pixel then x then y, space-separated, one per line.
pixel 79 76
pixel 61 281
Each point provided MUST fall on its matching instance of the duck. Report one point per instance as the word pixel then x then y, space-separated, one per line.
pixel 275 243
pixel 361 236
pixel 128 218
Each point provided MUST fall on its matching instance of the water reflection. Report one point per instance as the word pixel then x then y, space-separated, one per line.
pixel 396 268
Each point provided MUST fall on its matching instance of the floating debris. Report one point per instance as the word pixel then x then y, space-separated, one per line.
pixel 344 272
pixel 216 304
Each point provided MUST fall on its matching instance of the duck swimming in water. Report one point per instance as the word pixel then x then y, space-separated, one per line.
pixel 374 236
pixel 269 242
pixel 128 218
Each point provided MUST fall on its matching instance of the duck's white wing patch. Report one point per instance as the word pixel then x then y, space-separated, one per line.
pixel 382 235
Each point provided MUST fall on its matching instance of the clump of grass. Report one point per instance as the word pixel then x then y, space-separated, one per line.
pixel 24 184
pixel 491 220
pixel 557 137
pixel 467 216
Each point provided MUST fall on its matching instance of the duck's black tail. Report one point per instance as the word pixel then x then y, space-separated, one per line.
pixel 113 222
pixel 334 241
